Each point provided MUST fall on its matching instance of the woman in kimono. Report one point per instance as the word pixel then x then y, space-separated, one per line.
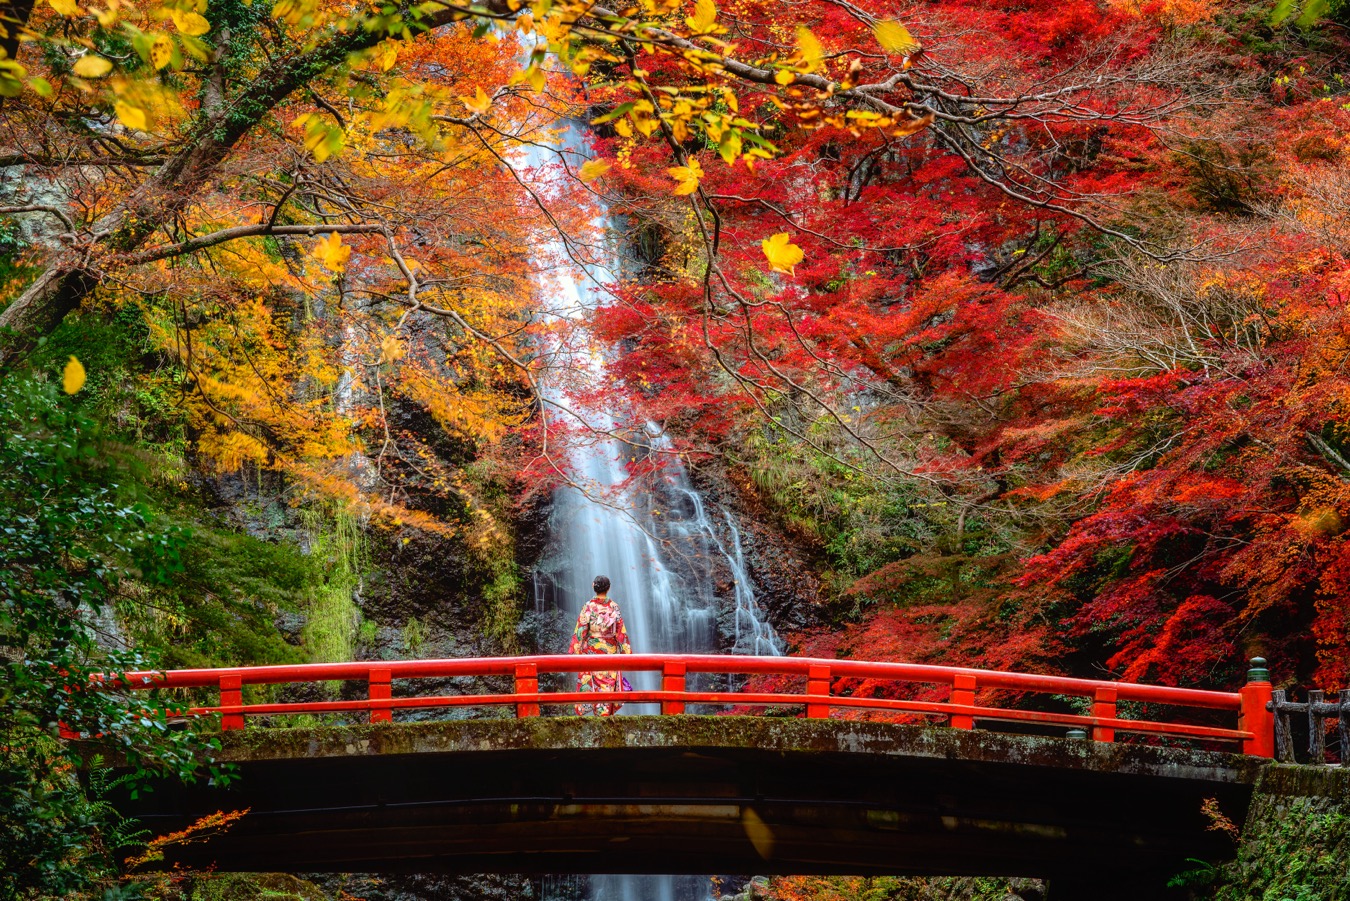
pixel 600 630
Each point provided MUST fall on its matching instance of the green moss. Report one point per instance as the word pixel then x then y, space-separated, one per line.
pixel 893 888
pixel 1294 849
pixel 251 887
pixel 338 548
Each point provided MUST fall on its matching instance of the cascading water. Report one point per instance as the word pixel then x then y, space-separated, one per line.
pixel 664 550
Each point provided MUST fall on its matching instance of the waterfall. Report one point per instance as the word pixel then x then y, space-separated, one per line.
pixel 663 545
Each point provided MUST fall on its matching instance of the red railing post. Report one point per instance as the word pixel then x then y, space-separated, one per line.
pixel 380 690
pixel 1104 707
pixel 527 683
pixel 672 679
pixel 963 692
pixel 818 685
pixel 1256 716
pixel 231 695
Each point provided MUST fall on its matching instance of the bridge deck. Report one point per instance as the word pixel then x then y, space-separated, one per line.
pixel 703 794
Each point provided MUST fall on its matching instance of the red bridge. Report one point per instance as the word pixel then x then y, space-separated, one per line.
pixel 821 687
pixel 831 784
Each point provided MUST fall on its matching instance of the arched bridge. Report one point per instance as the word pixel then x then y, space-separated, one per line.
pixel 823 789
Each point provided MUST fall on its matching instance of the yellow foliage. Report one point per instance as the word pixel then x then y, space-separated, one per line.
pixel 332 253
pixel 479 103
pixel 91 65
pixel 72 379
pixel 809 52
pixel 687 176
pixel 895 37
pixel 161 51
pixel 593 169
pixel 704 18
pixel 782 254
pixel 190 23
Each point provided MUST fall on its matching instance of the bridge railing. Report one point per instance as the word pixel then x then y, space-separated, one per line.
pixel 814 688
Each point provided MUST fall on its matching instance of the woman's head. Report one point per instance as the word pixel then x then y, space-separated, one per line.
pixel 600 584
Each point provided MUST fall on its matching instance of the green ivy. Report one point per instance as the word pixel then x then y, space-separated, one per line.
pixel 71 535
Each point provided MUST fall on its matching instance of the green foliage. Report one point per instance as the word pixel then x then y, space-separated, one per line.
pixel 72 535
pixel 501 595
pixel 1300 854
pixel 414 636
pixel 865 526
pixel 135 405
pixel 891 888
pixel 222 608
pixel 339 550
pixel 11 244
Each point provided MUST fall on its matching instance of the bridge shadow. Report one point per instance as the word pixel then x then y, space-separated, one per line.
pixel 686 794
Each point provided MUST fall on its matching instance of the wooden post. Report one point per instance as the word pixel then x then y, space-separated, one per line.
pixel 527 683
pixel 231 695
pixel 1256 714
pixel 817 685
pixel 672 679
pixel 963 692
pixel 1284 741
pixel 1104 706
pixel 1317 729
pixel 380 690
pixel 1343 725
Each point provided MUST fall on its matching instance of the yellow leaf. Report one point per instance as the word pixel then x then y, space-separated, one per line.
pixel 705 14
pixel 190 23
pixel 91 66
pixel 783 76
pixel 593 169
pixel 67 8
pixel 332 252
pixel 387 56
pixel 131 116
pixel 895 37
pixel 72 380
pixel 107 17
pixel 525 24
pixel 912 126
pixel 161 51
pixel 479 103
pixel 809 49
pixel 392 348
pixel 782 254
pixel 687 176
pixel 321 139
pixel 536 78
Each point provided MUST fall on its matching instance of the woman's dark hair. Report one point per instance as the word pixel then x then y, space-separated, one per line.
pixel 600 584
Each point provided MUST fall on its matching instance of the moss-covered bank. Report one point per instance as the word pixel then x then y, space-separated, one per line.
pixel 1295 844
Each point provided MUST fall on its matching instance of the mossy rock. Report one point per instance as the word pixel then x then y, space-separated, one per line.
pixel 253 887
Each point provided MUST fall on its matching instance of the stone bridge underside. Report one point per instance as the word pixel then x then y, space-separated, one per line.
pixel 679 794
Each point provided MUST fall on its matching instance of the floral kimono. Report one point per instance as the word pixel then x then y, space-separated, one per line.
pixel 600 630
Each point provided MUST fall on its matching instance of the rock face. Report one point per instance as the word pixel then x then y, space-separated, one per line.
pixel 785 582
pixel 1295 842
